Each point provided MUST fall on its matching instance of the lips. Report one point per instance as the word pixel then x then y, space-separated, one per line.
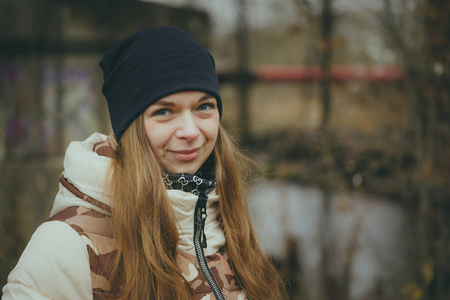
pixel 186 155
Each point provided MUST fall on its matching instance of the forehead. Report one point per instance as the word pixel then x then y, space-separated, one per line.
pixel 185 96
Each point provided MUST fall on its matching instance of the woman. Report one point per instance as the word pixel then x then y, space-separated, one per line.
pixel 154 211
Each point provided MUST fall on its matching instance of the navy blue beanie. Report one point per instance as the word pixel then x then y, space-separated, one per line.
pixel 150 64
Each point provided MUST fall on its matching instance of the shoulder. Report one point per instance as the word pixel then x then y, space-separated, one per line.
pixel 95 230
pixel 54 265
pixel 85 221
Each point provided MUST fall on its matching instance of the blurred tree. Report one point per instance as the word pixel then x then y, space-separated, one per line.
pixel 326 51
pixel 242 36
pixel 437 93
pixel 427 63
pixel 322 27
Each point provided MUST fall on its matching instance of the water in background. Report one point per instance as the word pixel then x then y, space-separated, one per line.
pixel 366 234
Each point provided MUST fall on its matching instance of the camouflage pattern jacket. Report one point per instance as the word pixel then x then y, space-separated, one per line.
pixel 66 256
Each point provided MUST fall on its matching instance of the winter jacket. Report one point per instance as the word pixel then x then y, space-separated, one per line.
pixel 67 255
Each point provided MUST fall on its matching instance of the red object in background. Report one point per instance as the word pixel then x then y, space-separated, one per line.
pixel 338 73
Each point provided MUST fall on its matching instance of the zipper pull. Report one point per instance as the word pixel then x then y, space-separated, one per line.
pixel 203 222
pixel 203 198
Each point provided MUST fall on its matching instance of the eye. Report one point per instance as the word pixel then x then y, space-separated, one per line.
pixel 206 106
pixel 161 112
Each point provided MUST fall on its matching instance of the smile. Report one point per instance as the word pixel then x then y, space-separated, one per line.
pixel 186 155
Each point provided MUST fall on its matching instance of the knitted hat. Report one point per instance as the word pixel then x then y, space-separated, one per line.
pixel 150 64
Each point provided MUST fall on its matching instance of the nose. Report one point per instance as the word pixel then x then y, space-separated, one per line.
pixel 188 128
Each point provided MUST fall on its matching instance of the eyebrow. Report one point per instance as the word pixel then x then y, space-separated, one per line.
pixel 164 103
pixel 206 97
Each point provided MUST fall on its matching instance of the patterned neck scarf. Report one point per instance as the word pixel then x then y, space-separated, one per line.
pixel 189 183
pixel 201 182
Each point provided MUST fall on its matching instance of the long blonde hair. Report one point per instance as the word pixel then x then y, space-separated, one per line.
pixel 145 227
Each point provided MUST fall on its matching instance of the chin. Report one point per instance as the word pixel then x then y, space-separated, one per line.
pixel 188 170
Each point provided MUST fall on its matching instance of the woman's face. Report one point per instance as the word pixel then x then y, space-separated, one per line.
pixel 182 130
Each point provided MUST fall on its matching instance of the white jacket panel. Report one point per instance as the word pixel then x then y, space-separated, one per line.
pixel 54 265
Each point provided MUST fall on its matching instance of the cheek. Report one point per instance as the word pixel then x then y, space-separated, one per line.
pixel 156 136
pixel 214 136
pixel 211 133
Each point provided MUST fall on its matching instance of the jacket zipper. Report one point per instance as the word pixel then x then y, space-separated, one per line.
pixel 200 243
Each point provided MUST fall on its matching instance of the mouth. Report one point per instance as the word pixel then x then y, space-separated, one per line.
pixel 186 154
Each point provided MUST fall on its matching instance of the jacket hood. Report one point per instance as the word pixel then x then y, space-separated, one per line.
pixel 86 171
